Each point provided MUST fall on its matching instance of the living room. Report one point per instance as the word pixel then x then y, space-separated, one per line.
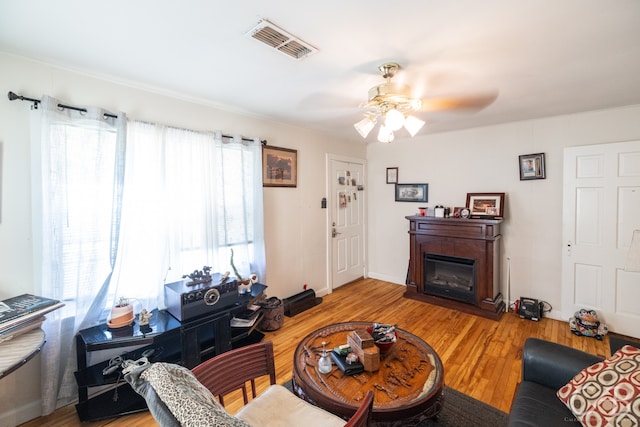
pixel 456 162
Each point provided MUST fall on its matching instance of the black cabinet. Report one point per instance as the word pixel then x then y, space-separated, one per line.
pixel 187 343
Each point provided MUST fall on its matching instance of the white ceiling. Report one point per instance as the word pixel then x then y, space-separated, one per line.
pixel 541 57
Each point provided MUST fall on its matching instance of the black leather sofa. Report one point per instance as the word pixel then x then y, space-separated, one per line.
pixel 546 367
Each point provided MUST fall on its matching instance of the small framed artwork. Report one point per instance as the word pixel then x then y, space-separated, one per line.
pixel 412 192
pixel 392 175
pixel 486 205
pixel 279 167
pixel 531 166
pixel 457 212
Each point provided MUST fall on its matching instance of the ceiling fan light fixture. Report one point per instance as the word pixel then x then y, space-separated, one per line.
pixel 385 134
pixel 394 119
pixel 365 126
pixel 413 124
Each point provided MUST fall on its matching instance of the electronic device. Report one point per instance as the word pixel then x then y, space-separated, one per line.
pixel 529 308
pixel 186 301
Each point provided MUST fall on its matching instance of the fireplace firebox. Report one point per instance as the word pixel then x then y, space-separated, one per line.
pixel 450 277
pixel 455 263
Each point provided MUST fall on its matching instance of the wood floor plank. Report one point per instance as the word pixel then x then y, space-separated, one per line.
pixel 481 357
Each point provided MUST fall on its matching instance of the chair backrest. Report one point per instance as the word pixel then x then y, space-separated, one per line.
pixel 362 417
pixel 232 370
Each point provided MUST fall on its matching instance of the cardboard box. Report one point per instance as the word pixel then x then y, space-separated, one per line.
pixel 369 357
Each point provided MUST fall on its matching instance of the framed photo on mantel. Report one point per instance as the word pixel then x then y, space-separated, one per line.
pixel 486 205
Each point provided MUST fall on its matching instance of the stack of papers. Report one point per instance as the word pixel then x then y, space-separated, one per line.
pixel 246 318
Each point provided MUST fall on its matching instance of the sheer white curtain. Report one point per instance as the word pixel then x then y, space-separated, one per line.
pixel 77 169
pixel 189 198
pixel 121 208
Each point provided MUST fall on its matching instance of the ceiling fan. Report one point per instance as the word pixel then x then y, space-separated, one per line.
pixel 391 103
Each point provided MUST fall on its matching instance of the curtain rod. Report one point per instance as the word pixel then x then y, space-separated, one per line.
pixel 13 96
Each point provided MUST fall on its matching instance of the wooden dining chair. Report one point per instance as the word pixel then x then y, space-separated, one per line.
pixel 236 369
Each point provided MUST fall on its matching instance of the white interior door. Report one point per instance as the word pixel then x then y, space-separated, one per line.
pixel 346 222
pixel 601 210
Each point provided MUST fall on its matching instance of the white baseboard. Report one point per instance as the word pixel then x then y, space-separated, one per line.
pixel 20 415
pixel 387 278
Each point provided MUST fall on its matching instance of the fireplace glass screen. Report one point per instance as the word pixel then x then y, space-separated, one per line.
pixel 450 277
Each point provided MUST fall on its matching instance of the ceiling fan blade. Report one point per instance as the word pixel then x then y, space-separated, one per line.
pixel 477 102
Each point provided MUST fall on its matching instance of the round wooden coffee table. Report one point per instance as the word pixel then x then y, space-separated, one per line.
pixel 408 386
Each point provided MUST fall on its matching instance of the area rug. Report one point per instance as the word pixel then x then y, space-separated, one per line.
pixel 460 410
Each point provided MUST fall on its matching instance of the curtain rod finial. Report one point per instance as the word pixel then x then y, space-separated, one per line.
pixel 12 96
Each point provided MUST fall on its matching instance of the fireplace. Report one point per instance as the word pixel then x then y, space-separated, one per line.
pixel 450 277
pixel 455 263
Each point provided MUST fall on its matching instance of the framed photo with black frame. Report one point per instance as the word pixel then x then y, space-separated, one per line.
pixel 531 166
pixel 392 175
pixel 279 167
pixel 412 192
pixel 486 205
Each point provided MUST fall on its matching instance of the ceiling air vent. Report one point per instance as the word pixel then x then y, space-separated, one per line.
pixel 277 38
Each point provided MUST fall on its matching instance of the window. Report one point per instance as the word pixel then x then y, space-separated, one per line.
pixel 125 207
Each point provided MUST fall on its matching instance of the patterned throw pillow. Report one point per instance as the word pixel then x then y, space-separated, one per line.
pixel 191 403
pixel 607 393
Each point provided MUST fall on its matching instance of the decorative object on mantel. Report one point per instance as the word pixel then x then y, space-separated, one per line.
pixel 392 175
pixel 412 192
pixel 531 166
pixel 441 212
pixel 486 205
pixel 279 167
pixel 457 212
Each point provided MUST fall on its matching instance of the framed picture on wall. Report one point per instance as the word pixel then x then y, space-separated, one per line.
pixel 531 166
pixel 412 192
pixel 392 175
pixel 279 167
pixel 486 205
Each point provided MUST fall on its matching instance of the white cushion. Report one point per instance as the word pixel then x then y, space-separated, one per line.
pixel 278 407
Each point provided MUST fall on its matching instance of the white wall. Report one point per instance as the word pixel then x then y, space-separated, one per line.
pixel 486 160
pixel 295 225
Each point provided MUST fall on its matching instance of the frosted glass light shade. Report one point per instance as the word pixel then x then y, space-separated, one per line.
pixel 364 126
pixel 394 119
pixel 413 125
pixel 385 134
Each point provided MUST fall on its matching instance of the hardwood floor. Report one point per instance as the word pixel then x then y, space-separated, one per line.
pixel 481 357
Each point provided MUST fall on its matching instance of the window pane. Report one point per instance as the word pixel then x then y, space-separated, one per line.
pixel 81 184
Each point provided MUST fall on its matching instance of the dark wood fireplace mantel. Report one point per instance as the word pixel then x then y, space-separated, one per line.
pixel 477 239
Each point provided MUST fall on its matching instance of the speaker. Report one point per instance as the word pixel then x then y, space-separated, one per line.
pixel 300 302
